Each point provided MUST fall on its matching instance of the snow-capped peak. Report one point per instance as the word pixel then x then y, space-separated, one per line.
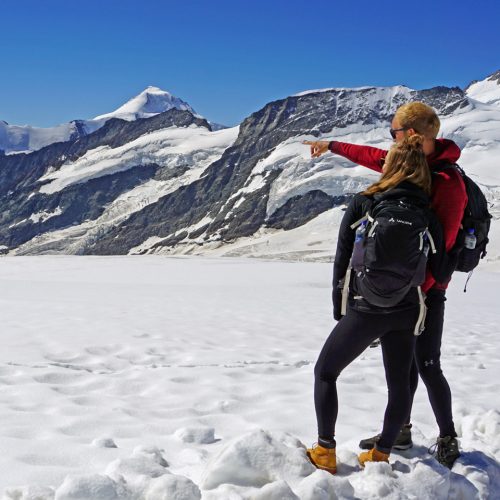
pixel 487 90
pixel 149 102
pixel 25 139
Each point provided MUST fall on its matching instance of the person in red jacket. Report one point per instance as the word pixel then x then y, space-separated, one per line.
pixel 448 199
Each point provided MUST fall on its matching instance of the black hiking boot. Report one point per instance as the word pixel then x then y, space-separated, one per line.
pixel 446 450
pixel 403 441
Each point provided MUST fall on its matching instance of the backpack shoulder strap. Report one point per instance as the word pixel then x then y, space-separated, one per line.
pixel 365 217
pixel 345 292
pixel 367 206
pixel 453 166
pixel 431 241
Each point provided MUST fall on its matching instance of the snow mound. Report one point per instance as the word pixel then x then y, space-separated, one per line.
pixel 485 427
pixel 475 475
pixel 427 480
pixel 95 487
pixel 377 480
pixel 172 487
pixel 256 459
pixel 143 475
pixel 29 493
pixel 151 452
pixel 143 462
pixel 480 441
pixel 321 485
pixel 104 442
pixel 279 490
pixel 199 435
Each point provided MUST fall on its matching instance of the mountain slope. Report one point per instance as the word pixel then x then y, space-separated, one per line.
pixel 244 188
pixel 487 90
pixel 46 191
pixel 168 184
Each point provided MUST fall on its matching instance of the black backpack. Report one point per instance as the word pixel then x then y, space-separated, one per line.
pixel 477 218
pixel 390 250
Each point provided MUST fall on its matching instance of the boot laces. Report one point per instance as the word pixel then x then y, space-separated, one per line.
pixel 443 446
pixel 432 449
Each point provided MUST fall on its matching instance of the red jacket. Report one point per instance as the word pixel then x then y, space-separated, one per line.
pixel 449 197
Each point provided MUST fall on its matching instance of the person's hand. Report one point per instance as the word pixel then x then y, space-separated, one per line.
pixel 337 303
pixel 317 147
pixel 459 242
pixel 455 251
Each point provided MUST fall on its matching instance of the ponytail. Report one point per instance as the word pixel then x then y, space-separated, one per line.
pixel 405 161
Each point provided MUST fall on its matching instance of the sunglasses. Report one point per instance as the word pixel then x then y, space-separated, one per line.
pixel 394 130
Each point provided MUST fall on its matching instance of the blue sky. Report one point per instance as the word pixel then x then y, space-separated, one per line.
pixel 62 60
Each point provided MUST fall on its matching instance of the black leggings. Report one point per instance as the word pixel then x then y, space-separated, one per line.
pixel 427 363
pixel 350 337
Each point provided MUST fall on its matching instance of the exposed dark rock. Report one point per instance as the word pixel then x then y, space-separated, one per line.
pixel 165 174
pixel 198 232
pixel 494 77
pixel 299 210
pixel 77 203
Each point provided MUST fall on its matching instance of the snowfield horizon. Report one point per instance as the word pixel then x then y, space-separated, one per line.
pixel 185 377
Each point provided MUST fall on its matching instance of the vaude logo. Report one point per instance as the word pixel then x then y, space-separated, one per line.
pixel 399 221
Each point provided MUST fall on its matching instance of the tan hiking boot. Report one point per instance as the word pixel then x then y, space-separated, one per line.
pixel 373 455
pixel 323 458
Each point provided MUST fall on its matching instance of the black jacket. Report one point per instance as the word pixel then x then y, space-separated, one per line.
pixel 440 263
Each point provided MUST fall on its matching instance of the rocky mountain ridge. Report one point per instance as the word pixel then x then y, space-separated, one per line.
pixel 168 184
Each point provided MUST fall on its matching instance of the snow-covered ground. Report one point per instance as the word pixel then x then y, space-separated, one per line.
pixel 180 378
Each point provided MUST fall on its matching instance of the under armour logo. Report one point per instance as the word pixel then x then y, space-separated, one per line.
pixel 427 363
